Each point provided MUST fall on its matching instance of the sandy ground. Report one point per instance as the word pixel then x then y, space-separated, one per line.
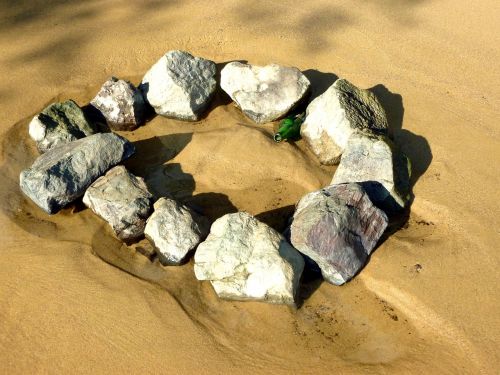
pixel 427 302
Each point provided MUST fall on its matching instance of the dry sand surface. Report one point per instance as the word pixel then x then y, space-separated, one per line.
pixel 73 299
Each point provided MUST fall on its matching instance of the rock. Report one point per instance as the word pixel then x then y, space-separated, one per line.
pixel 121 104
pixel 179 85
pixel 62 174
pixel 174 230
pixel 264 93
pixel 58 124
pixel 245 259
pixel 332 117
pixel 123 200
pixel 377 163
pixel 337 227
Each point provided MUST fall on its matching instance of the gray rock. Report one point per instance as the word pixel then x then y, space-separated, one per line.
pixel 337 227
pixel 58 124
pixel 174 230
pixel 245 259
pixel 332 117
pixel 62 174
pixel 264 93
pixel 123 200
pixel 121 104
pixel 380 166
pixel 179 85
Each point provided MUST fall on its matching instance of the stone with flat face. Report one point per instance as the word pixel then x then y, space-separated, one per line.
pixel 58 124
pixel 337 227
pixel 245 259
pixel 180 85
pixel 123 200
pixel 264 93
pixel 63 173
pixel 332 117
pixel 121 104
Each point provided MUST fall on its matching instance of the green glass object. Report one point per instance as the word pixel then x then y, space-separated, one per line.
pixel 289 128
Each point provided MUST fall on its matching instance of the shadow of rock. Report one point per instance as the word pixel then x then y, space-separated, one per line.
pixel 320 82
pixel 211 205
pixel 96 117
pixel 310 281
pixel 278 218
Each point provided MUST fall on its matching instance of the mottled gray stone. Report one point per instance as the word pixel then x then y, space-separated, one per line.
pixel 337 227
pixel 121 104
pixel 245 259
pixel 123 200
pixel 62 174
pixel 174 230
pixel 179 85
pixel 332 117
pixel 264 93
pixel 376 162
pixel 58 124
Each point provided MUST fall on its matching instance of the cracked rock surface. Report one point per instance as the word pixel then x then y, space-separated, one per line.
pixel 337 227
pixel 264 93
pixel 332 117
pixel 62 174
pixel 245 259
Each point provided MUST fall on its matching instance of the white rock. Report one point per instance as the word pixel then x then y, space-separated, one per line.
pixel 332 117
pixel 174 230
pixel 245 259
pixel 123 200
pixel 377 163
pixel 264 93
pixel 179 85
pixel 121 104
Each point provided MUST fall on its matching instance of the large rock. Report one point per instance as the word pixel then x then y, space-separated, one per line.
pixel 58 124
pixel 337 227
pixel 62 174
pixel 174 230
pixel 380 166
pixel 123 200
pixel 245 259
pixel 332 117
pixel 121 104
pixel 179 85
pixel 264 93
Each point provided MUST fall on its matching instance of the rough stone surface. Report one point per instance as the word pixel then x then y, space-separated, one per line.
pixel 337 227
pixel 179 85
pixel 245 259
pixel 332 117
pixel 264 93
pixel 121 104
pixel 62 174
pixel 58 124
pixel 174 230
pixel 377 163
pixel 123 200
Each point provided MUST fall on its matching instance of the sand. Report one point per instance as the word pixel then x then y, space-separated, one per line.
pixel 73 299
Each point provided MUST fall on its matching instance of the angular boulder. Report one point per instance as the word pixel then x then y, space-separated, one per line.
pixel 245 259
pixel 123 200
pixel 264 93
pixel 62 174
pixel 174 230
pixel 121 104
pixel 179 85
pixel 58 124
pixel 337 227
pixel 332 117
pixel 384 171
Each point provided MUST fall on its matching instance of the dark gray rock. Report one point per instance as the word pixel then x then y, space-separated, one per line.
pixel 180 86
pixel 58 124
pixel 123 200
pixel 121 104
pixel 62 174
pixel 337 227
pixel 264 93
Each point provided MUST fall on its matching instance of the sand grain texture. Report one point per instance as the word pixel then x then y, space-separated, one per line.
pixel 427 302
